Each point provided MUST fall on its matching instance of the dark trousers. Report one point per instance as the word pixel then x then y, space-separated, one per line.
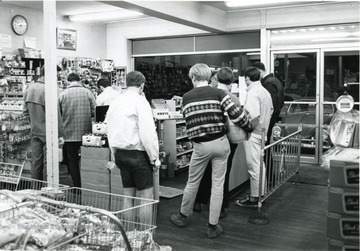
pixel 71 159
pixel 204 192
pixel 38 145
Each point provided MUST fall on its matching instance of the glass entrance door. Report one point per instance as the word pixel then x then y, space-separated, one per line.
pixel 298 71
pixel 340 73
pixel 313 80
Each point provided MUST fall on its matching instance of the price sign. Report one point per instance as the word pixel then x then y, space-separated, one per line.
pixel 10 173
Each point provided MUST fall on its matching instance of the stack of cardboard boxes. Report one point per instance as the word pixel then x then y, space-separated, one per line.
pixel 343 201
pixel 95 174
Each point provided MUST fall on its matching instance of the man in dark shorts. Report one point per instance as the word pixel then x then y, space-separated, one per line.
pixel 133 140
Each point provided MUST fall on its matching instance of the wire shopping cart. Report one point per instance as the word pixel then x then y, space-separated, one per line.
pixel 133 217
pixel 11 179
pixel 133 212
pixel 43 223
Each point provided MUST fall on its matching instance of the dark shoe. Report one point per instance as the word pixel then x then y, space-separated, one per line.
pixel 197 207
pixel 223 213
pixel 179 220
pixel 249 201
pixel 213 232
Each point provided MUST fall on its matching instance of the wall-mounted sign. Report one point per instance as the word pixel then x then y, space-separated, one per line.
pixel 5 41
pixel 30 42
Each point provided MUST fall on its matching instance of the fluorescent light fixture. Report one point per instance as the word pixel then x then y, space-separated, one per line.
pixel 105 16
pixel 242 3
pixel 318 36
pixel 336 39
pixel 252 53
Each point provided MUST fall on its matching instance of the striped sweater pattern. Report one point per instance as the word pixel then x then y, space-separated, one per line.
pixel 204 109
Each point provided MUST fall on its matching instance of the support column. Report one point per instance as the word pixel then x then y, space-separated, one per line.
pixel 51 95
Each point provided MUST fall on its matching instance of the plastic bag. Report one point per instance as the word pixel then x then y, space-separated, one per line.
pixel 329 155
pixel 342 128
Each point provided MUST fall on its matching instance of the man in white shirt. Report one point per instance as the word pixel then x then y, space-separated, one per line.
pixel 259 105
pixel 108 93
pixel 133 139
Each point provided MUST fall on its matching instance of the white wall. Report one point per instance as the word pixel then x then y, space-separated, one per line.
pixel 118 35
pixel 91 38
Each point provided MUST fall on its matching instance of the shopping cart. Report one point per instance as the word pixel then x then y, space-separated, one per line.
pixel 56 225
pixel 11 179
pixel 133 212
pixel 134 217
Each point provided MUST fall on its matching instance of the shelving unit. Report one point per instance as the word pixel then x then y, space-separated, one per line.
pixel 15 132
pixel 18 73
pixel 179 147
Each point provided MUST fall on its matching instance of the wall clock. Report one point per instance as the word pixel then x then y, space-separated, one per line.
pixel 19 25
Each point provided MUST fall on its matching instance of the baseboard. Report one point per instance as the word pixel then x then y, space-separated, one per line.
pixel 234 192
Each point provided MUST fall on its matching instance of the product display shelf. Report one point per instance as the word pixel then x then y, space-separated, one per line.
pixel 176 143
pixel 15 132
pixel 184 152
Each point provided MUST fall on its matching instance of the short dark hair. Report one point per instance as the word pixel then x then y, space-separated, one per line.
pixel 225 76
pixel 253 73
pixel 103 82
pixel 73 77
pixel 135 78
pixel 259 65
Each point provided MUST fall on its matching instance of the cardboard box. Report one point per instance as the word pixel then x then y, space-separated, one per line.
pixel 98 153
pixel 97 187
pixel 341 245
pixel 94 165
pixel 95 178
pixel 343 227
pixel 344 174
pixel 343 200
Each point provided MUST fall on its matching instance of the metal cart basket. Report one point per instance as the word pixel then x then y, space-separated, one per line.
pixel 133 219
pixel 57 225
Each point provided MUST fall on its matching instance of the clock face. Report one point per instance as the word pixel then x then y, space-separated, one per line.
pixel 19 25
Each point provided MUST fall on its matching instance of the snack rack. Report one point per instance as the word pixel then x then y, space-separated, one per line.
pixel 104 221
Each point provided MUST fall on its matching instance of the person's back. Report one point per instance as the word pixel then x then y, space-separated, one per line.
pixel 77 108
pixel 108 93
pixel 34 99
pixel 203 109
pixel 125 111
pixel 134 142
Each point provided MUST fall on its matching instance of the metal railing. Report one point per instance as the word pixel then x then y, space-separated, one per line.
pixel 282 161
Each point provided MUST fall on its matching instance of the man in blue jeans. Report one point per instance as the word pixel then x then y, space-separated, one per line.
pixel 204 109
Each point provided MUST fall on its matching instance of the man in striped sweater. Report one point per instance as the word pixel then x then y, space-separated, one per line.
pixel 203 109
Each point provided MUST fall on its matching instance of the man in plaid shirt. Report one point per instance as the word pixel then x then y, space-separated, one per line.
pixel 77 106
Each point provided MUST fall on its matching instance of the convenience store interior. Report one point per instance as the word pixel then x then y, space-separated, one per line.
pixel 313 46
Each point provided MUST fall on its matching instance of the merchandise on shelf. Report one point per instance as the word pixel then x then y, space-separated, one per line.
pixel 163 81
pixel 90 71
pixel 15 131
